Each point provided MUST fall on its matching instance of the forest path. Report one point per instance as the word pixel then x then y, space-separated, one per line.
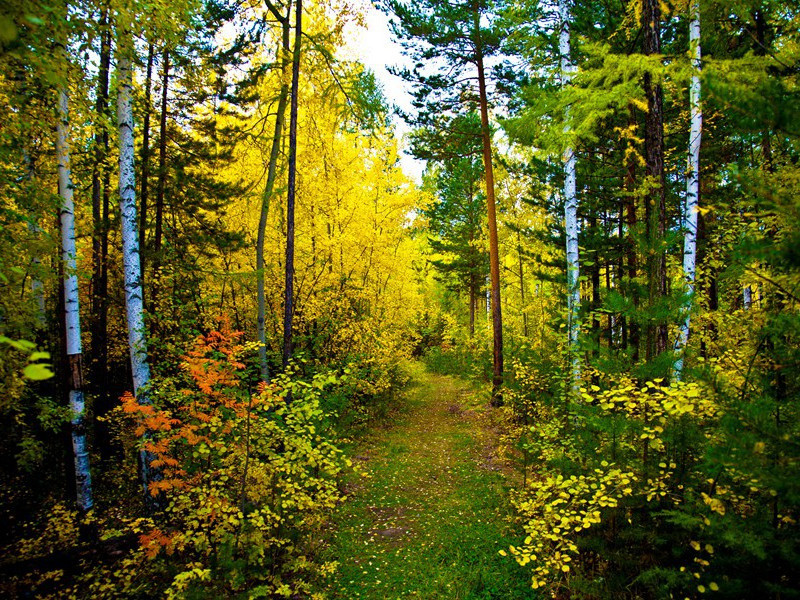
pixel 429 517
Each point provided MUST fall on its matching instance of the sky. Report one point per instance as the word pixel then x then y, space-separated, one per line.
pixel 374 47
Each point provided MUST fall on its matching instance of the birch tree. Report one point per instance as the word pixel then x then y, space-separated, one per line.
pixel 570 198
pixel 140 368
pixel 692 184
pixel 72 317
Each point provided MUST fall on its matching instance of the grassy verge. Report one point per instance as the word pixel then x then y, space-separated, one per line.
pixel 429 517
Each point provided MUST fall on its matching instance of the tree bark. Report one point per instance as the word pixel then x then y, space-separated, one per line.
pixel 145 158
pixel 162 175
pixel 288 307
pixel 570 204
pixel 655 206
pixel 100 201
pixel 74 348
pixel 494 255
pixel 140 368
pixel 692 186
pixel 268 192
pixel 632 259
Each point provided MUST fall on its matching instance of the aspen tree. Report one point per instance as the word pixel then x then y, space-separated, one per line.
pixel 570 200
pixel 137 346
pixel 72 316
pixel 692 184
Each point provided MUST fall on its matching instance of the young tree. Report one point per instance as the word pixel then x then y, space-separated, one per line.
pixel 282 52
pixel 74 348
pixel 570 200
pixel 288 305
pixel 137 345
pixel 692 184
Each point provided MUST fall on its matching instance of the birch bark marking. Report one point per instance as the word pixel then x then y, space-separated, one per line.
pixel 692 184
pixel 570 201
pixel 83 479
pixel 130 249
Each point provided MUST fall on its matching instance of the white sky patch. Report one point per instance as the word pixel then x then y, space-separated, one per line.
pixel 374 47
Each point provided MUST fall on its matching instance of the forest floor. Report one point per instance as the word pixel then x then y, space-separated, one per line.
pixel 427 517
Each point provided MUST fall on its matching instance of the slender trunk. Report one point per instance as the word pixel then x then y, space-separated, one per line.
pixel 472 302
pixel 570 203
pixel 522 285
pixel 74 349
pixel 140 368
pixel 288 308
pixel 267 197
pixel 595 271
pixel 162 176
pixel 633 264
pixel 100 199
pixel 655 208
pixel 692 186
pixel 145 158
pixel 494 255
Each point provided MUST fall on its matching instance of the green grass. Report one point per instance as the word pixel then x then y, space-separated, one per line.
pixel 430 516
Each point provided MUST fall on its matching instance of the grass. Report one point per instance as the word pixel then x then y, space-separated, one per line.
pixel 429 516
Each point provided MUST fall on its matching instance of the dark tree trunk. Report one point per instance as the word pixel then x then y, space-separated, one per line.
pixel 100 201
pixel 633 265
pixel 655 205
pixel 288 309
pixel 268 192
pixel 145 159
pixel 494 260
pixel 162 175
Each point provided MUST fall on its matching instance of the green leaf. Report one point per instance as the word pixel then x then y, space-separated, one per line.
pixel 38 372
pixel 39 356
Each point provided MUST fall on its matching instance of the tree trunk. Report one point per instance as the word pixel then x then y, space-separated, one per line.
pixel 655 207
pixel 288 307
pixel 74 349
pixel 494 255
pixel 140 368
pixel 692 186
pixel 100 200
pixel 633 263
pixel 145 158
pixel 522 285
pixel 570 203
pixel 162 176
pixel 267 197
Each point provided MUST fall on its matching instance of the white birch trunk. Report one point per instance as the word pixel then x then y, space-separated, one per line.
pixel 570 201
pixel 747 297
pixel 83 479
pixel 130 248
pixel 692 186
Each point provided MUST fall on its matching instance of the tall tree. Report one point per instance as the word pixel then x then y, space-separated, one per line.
pixel 570 199
pixel 692 184
pixel 137 346
pixel 442 39
pixel 100 220
pixel 288 306
pixel 656 204
pixel 283 53
pixel 74 347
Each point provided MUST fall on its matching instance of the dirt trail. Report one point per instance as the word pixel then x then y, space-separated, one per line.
pixel 429 518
